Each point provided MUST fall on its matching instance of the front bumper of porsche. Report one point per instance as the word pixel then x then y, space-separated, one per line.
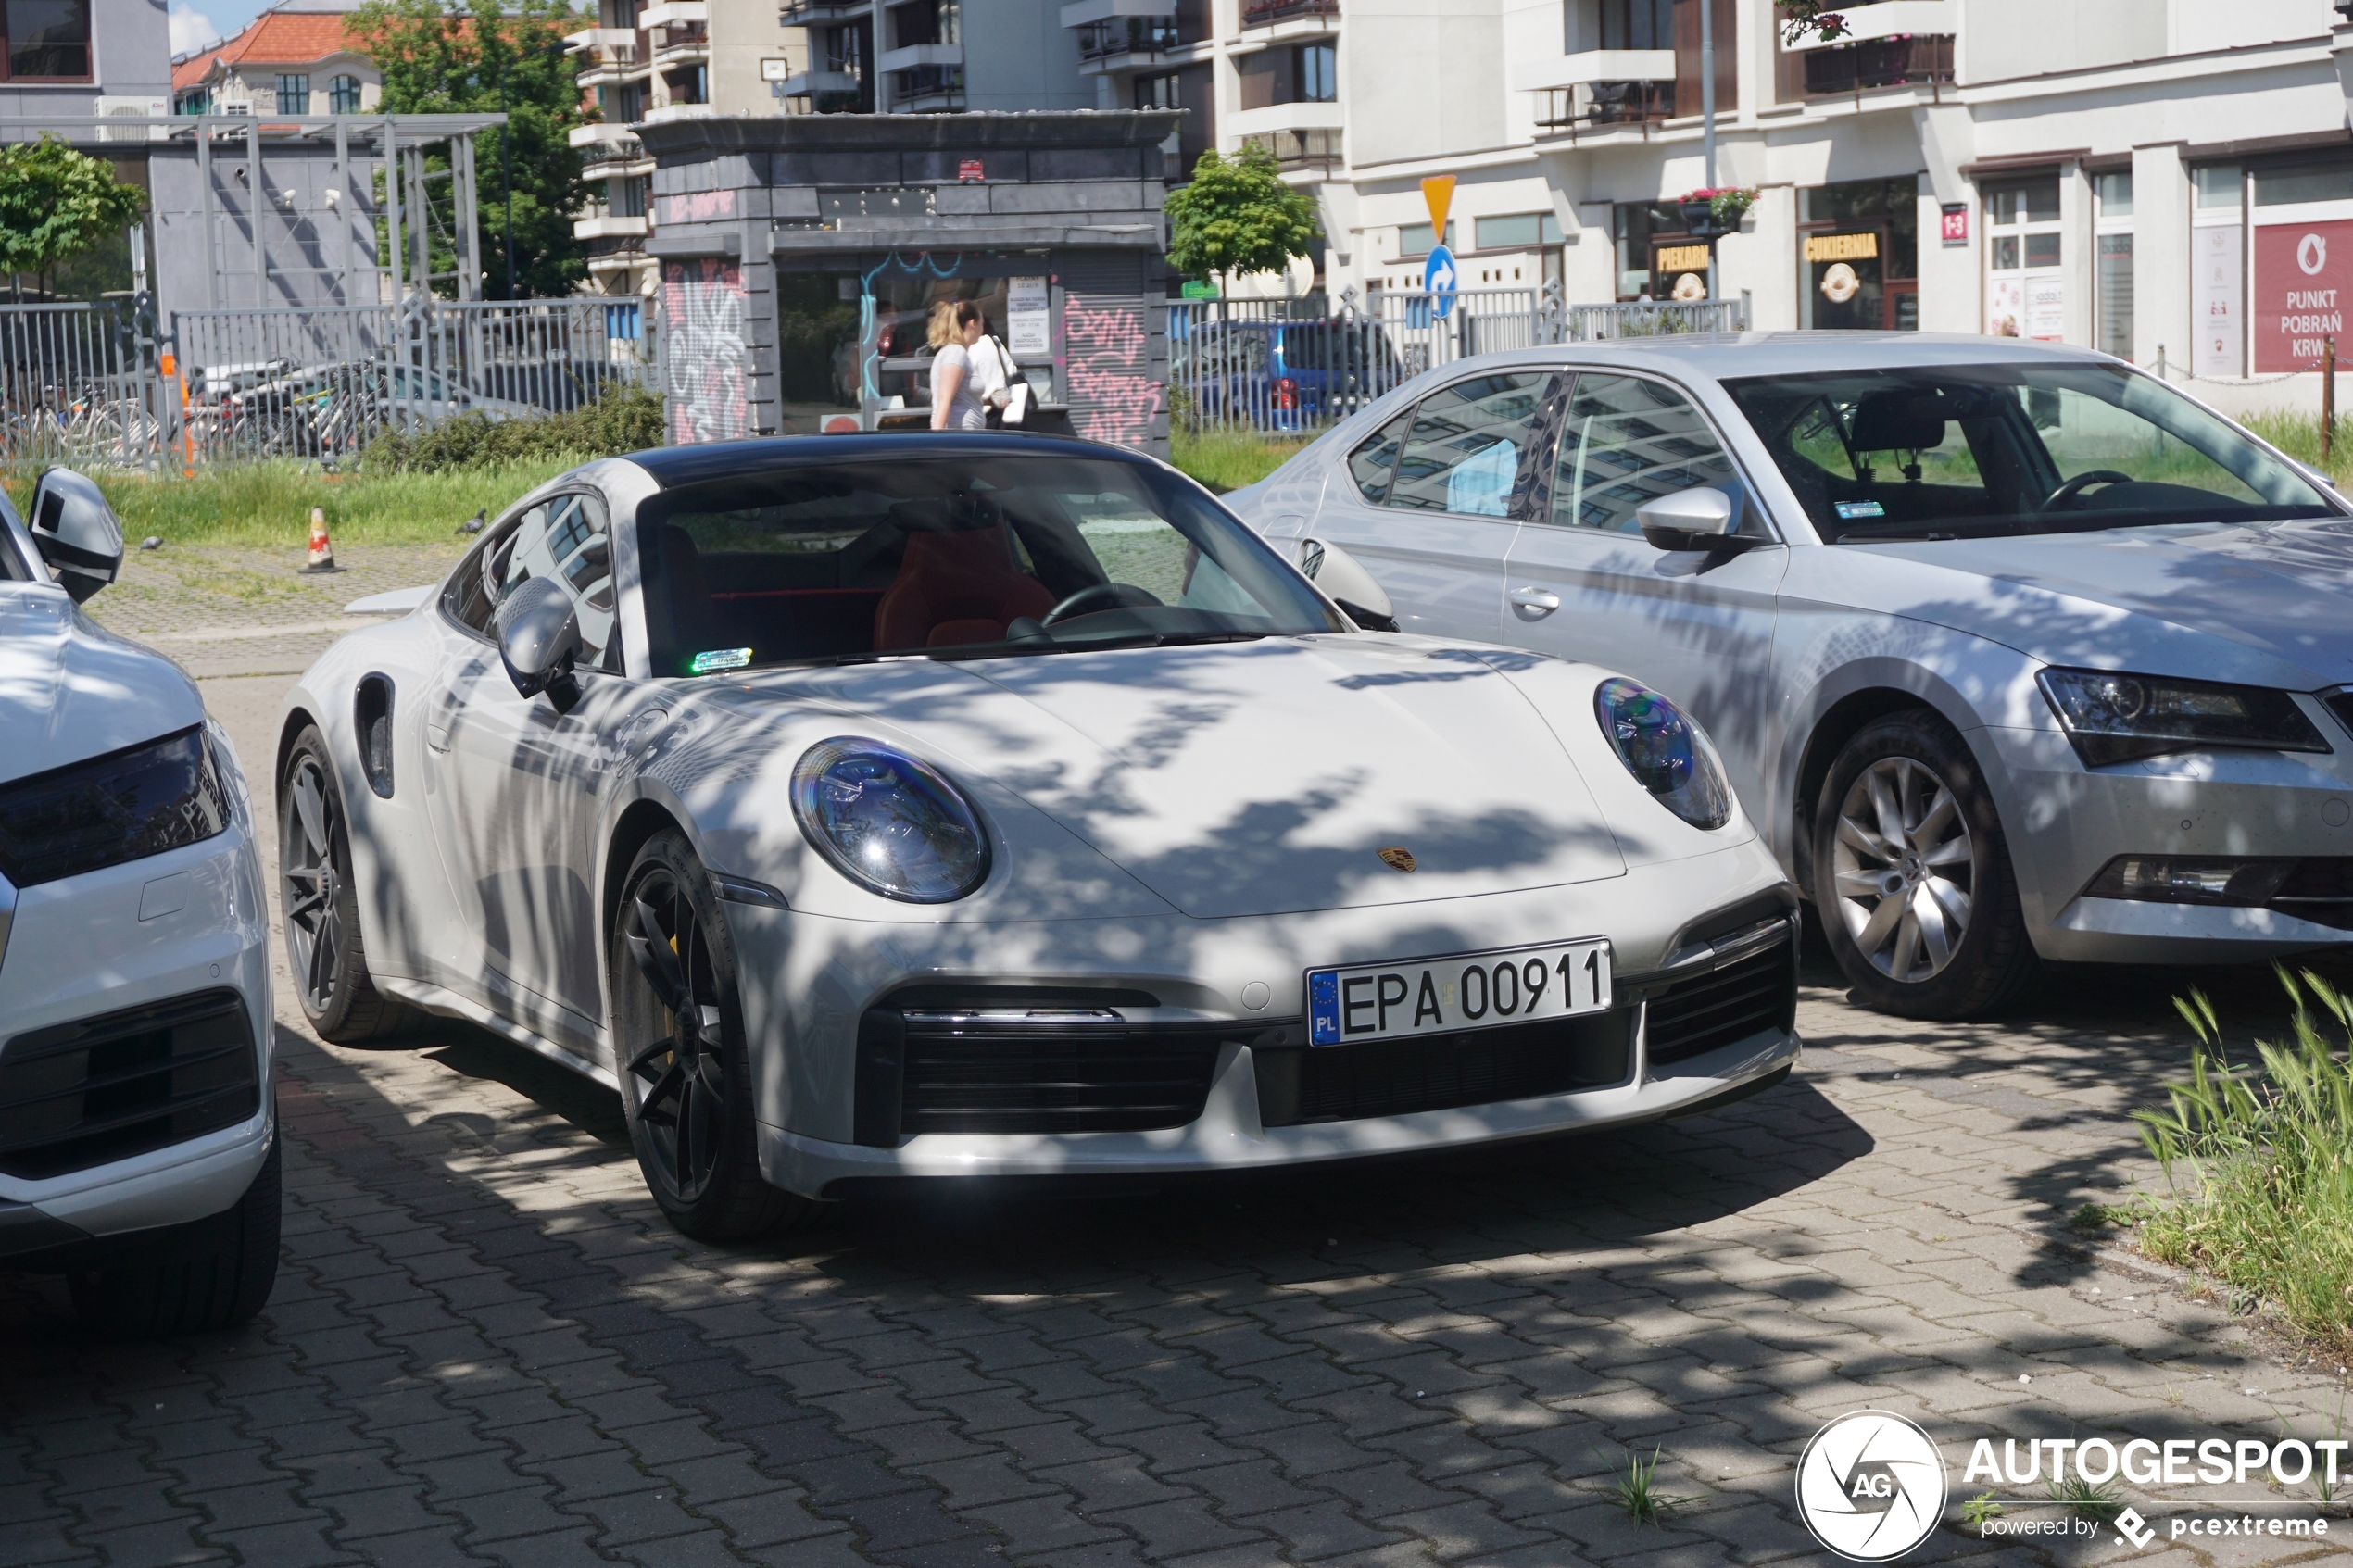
pixel 879 1066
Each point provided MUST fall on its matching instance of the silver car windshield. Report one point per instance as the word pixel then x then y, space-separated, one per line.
pixel 957 557
pixel 1967 450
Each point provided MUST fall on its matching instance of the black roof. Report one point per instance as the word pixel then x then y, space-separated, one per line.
pixel 674 466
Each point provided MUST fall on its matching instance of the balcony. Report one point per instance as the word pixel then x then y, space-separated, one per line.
pixel 920 57
pixel 820 13
pixel 1105 43
pixel 819 84
pixel 1592 67
pixel 1885 18
pixel 676 13
pixel 1903 61
pixel 602 132
pixel 605 226
pixel 930 88
pixel 1606 106
pixel 614 57
pixel 669 113
pixel 674 53
pixel 1313 148
pixel 1268 13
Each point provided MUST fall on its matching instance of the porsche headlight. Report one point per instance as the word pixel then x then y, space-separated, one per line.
pixel 887 821
pixel 2114 717
pixel 1665 751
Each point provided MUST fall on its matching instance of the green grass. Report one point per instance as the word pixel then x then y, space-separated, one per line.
pixel 1224 460
pixel 265 504
pixel 2299 436
pixel 2258 1157
pixel 1638 1491
pixel 2098 1501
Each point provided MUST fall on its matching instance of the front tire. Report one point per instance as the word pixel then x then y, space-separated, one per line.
pixel 325 953
pixel 678 1041
pixel 193 1279
pixel 1912 875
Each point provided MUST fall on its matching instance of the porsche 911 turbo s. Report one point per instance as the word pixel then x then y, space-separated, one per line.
pixel 889 807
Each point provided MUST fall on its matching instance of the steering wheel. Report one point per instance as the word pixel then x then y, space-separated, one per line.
pixel 1115 596
pixel 2068 491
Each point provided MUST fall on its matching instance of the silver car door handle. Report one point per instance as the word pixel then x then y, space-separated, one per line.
pixel 1535 600
pixel 437 738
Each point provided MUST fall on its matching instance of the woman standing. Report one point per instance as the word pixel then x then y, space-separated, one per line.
pixel 955 383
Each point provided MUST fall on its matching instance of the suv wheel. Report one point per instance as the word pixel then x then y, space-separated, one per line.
pixel 1912 875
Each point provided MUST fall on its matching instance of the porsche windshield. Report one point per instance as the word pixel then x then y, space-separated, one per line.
pixel 2010 448
pixel 958 557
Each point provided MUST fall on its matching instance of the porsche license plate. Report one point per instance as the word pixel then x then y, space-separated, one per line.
pixel 1391 1001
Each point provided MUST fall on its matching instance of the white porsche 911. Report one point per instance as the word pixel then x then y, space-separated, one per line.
pixel 877 808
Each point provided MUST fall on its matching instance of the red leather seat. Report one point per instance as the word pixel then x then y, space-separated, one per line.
pixel 953 589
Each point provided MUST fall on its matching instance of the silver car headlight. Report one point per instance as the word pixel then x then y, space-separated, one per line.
pixel 889 821
pixel 124 806
pixel 2114 717
pixel 1667 754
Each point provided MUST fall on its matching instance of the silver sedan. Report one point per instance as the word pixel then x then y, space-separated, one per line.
pixel 2014 653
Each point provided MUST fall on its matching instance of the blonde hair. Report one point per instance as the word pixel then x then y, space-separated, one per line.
pixel 942 331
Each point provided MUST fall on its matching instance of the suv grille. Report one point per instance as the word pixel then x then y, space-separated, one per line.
pixel 1695 1016
pixel 106 1088
pixel 1442 1072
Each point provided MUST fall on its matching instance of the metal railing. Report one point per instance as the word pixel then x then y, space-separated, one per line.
pixel 1304 364
pixel 323 383
pixel 1266 13
pixel 78 385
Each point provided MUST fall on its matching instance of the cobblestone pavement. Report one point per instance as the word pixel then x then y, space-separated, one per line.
pixel 486 1346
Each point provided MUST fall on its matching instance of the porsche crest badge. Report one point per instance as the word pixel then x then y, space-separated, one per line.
pixel 1397 857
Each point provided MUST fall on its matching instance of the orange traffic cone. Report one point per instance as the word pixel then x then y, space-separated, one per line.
pixel 322 549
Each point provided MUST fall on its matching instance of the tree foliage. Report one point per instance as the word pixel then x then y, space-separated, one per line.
pixel 1800 18
pixel 1237 216
pixel 56 204
pixel 482 56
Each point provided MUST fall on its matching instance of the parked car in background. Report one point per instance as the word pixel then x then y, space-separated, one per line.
pixel 1283 375
pixel 2014 651
pixel 933 807
pixel 138 1139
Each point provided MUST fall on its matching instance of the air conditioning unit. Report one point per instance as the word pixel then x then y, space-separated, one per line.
pixel 135 108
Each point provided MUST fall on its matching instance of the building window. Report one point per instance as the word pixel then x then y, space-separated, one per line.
pixel 629 196
pixel 48 40
pixel 690 86
pixel 2112 255
pixel 196 102
pixel 1414 238
pixel 1316 74
pixel 293 95
pixel 2026 289
pixel 1522 231
pixel 1157 92
pixel 343 94
pixel 1638 24
pixel 1858 255
pixel 925 21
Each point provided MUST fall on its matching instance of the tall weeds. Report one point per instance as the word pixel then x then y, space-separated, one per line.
pixel 2258 1159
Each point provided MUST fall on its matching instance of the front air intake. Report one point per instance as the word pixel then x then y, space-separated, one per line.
pixel 122 1083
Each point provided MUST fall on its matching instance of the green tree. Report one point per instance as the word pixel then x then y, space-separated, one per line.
pixel 477 56
pixel 1817 18
pixel 56 204
pixel 1237 216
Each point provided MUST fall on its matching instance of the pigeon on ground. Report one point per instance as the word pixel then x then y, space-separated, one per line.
pixel 152 542
pixel 471 524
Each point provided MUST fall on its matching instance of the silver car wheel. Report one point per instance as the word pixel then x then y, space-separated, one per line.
pixel 1905 867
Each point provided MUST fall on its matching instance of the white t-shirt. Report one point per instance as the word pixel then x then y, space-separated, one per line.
pixel 964 410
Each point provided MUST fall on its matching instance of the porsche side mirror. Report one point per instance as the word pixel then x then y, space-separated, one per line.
pixel 1690 519
pixel 1347 584
pixel 539 640
pixel 77 532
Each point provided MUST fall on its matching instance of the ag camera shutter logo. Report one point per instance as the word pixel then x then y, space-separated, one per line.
pixel 1870 1486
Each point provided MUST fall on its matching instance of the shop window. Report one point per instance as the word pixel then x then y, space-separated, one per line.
pixel 2298 183
pixel 2026 290
pixel 1630 225
pixel 343 94
pixel 1858 255
pixel 2218 185
pixel 48 40
pixel 2112 263
pixel 2217 271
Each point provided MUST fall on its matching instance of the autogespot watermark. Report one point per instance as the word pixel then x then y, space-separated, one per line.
pixel 1871 1485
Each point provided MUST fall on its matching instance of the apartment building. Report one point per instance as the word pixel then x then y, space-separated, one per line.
pixel 2154 178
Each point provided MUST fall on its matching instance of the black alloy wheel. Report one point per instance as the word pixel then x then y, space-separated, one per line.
pixel 325 953
pixel 685 1077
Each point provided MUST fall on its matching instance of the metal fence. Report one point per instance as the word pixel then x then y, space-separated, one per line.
pixel 325 383
pixel 1285 365
pixel 99 385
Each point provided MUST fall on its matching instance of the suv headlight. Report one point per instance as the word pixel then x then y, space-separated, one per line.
pixel 2114 717
pixel 124 806
pixel 1666 751
pixel 887 821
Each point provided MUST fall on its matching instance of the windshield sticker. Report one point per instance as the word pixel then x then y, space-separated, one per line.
pixel 719 659
pixel 1849 510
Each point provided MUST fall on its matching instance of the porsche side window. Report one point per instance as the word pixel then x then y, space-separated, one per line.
pixel 1464 451
pixel 472 599
pixel 1372 463
pixel 1627 441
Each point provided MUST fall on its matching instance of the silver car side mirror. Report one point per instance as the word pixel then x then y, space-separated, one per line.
pixel 539 641
pixel 1347 584
pixel 77 532
pixel 1690 519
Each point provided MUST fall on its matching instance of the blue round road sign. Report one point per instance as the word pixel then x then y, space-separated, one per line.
pixel 1440 279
